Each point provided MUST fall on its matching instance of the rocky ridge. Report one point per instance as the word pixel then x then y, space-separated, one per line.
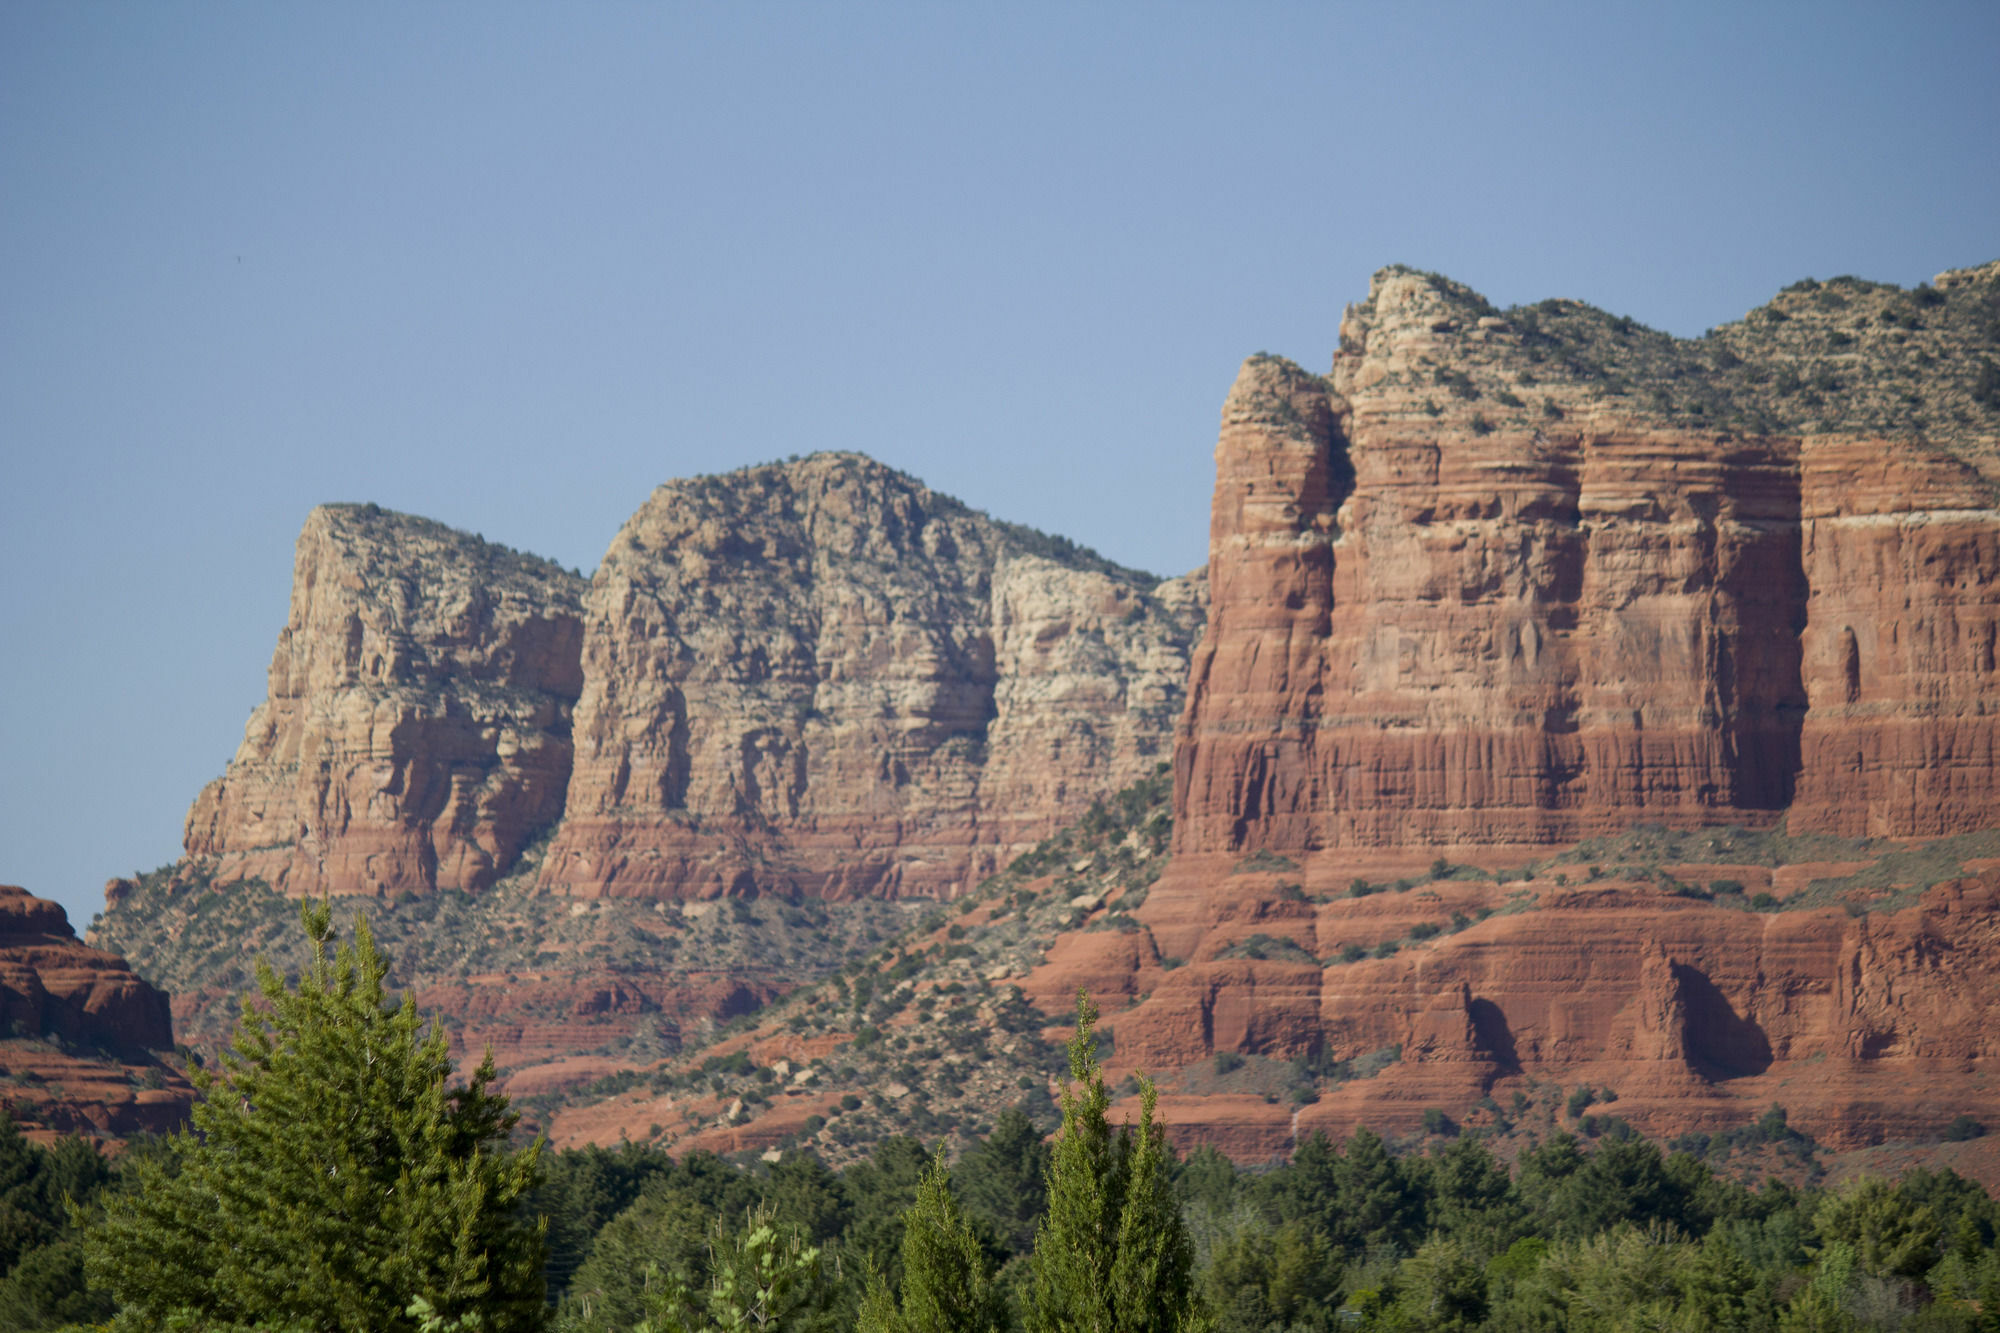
pixel 1501 582
pixel 814 677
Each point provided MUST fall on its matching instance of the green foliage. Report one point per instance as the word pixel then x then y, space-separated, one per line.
pixel 331 1175
pixel 1112 1252
pixel 41 1253
pixel 1004 1180
pixel 1441 1289
pixel 763 1277
pixel 1887 1235
pixel 946 1285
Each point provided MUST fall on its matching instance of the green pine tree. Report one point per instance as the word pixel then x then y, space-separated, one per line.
pixel 1152 1275
pixel 332 1179
pixel 946 1288
pixel 1112 1254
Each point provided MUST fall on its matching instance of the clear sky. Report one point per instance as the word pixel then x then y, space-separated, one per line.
pixel 510 266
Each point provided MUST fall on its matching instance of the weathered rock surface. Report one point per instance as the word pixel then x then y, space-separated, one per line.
pixel 416 735
pixel 1866 1026
pixel 822 677
pixel 78 1031
pixel 1465 594
pixel 1508 580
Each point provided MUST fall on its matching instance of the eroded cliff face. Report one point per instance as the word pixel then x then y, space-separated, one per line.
pixel 822 677
pixel 1506 580
pixel 1865 1025
pixel 416 734
pixel 1475 590
pixel 79 1031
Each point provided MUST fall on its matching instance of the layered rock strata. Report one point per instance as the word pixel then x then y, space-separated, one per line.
pixel 1474 590
pixel 78 1031
pixel 417 731
pixel 825 678
pixel 1865 1026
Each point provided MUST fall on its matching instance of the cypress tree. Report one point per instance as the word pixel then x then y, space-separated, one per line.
pixel 331 1180
pixel 946 1288
pixel 1112 1254
pixel 1152 1275
pixel 1078 1236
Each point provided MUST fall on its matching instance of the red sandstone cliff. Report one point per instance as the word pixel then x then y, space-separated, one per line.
pixel 823 677
pixel 78 1031
pixel 416 734
pixel 1464 596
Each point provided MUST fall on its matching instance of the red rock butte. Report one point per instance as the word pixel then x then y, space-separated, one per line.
pixel 1432 627
pixel 78 1031
pixel 1467 600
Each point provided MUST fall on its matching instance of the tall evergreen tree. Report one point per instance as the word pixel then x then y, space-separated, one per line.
pixel 331 1178
pixel 946 1288
pixel 1078 1237
pixel 1112 1223
pixel 1152 1275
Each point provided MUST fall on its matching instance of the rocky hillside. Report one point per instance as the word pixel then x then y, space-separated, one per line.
pixel 1683 982
pixel 81 1036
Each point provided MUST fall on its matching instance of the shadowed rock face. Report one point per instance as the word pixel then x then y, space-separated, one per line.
pixel 825 678
pixel 416 735
pixel 1464 594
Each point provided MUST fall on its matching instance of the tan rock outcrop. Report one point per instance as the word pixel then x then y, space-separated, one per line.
pixel 416 734
pixel 822 677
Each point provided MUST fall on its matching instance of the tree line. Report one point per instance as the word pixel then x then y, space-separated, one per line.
pixel 335 1178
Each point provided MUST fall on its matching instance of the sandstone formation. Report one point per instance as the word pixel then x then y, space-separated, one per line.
pixel 1501 582
pixel 416 735
pixel 78 1031
pixel 1473 590
pixel 1865 1026
pixel 823 677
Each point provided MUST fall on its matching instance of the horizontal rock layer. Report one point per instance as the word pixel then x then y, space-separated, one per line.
pixel 1870 1026
pixel 1432 627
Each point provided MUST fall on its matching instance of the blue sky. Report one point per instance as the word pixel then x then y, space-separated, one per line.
pixel 511 266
